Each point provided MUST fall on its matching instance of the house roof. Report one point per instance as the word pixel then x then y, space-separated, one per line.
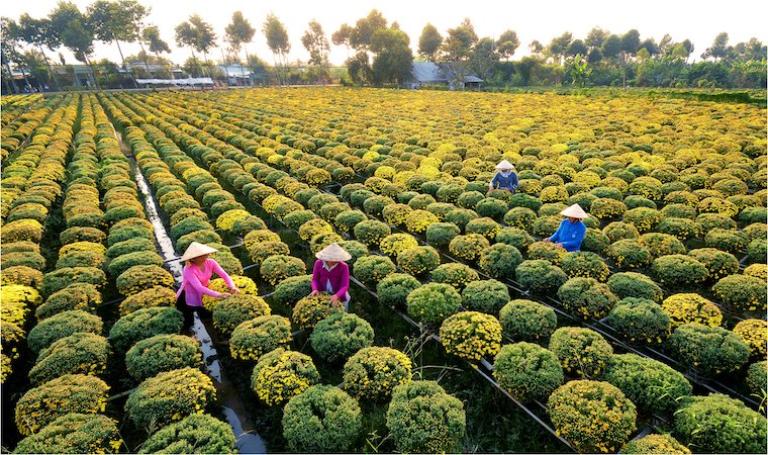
pixel 430 72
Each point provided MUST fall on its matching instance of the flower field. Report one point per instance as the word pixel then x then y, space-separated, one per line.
pixel 466 331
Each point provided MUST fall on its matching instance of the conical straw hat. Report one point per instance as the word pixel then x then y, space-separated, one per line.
pixel 574 211
pixel 195 250
pixel 504 165
pixel 333 252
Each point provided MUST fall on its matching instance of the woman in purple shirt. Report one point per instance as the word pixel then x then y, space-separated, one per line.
pixel 198 269
pixel 331 274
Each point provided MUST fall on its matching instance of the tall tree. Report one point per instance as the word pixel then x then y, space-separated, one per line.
pixel 186 37
pixel 577 47
pixel 611 47
pixel 205 37
pixel 536 47
pixel 507 44
pixel 277 40
pixel 394 59
pixel 559 45
pixel 151 37
pixel 484 57
pixel 429 42
pixel 316 43
pixel 457 47
pixel 36 32
pixel 9 52
pixel 362 34
pixel 630 43
pixel 73 30
pixel 596 37
pixel 649 44
pixel 115 21
pixel 239 33
pixel 719 48
pixel 341 37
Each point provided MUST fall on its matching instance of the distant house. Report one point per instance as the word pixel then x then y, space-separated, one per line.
pixel 430 73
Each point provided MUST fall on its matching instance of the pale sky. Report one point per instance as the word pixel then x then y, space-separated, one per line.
pixel 697 20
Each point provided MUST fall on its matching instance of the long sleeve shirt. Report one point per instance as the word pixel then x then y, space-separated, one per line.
pixel 337 278
pixel 570 235
pixel 502 182
pixel 195 282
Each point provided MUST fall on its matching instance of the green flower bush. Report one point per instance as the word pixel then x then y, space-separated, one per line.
pixel 371 232
pixel 526 320
pixel 607 208
pixel 394 244
pixel 277 268
pixel 292 289
pixel 169 397
pixel 197 433
pixel 312 309
pixel 662 244
pixel 483 226
pixel 280 375
pixel 651 385
pixel 433 302
pixel 144 323
pixel 141 277
pixel 711 350
pixel 757 381
pixel 61 278
pixel 81 352
pixel 618 230
pixel 756 251
pixel 691 307
pixel 455 274
pixel 62 325
pixel 254 338
pixel 500 260
pixel 394 289
pixel 471 335
pixel 468 247
pixel 372 373
pixel 540 276
pixel 492 208
pixel 720 424
pixel 323 418
pixel 515 237
pixel 729 240
pixel 594 416
pixel 527 371
pixel 633 284
pixel 520 217
pixel 78 296
pixel 582 352
pixel 372 269
pixel 156 296
pixel 718 263
pixel 161 353
pixel 418 260
pixel 340 335
pixel 655 444
pixel 231 311
pixel 639 319
pixel 69 393
pixel 585 264
pixel 587 297
pixel 643 218
pixel 629 254
pixel 74 433
pixel 423 418
pixel 441 234
pixel 678 271
pixel 741 293
pixel 487 296
pixel 548 251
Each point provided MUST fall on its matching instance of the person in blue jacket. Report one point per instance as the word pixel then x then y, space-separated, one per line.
pixel 505 178
pixel 572 230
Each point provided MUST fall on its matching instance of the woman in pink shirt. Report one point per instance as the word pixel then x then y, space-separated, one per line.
pixel 198 269
pixel 331 274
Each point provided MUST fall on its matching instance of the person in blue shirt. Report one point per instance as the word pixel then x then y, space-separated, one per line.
pixel 572 230
pixel 505 178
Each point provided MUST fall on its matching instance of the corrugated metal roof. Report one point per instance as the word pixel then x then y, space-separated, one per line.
pixel 430 72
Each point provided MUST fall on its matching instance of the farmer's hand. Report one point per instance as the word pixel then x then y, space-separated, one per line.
pixel 315 293
pixel 335 300
pixel 234 291
pixel 224 295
